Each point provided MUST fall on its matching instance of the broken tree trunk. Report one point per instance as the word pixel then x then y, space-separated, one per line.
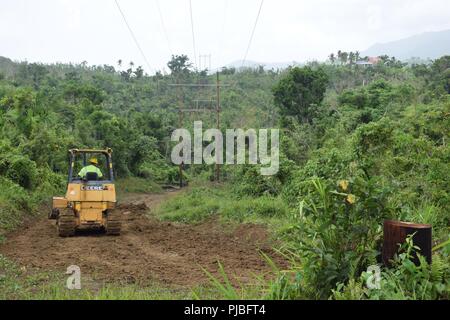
pixel 395 233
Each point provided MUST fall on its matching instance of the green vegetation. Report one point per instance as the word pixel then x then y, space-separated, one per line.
pixel 203 202
pixel 351 157
pixel 358 145
pixel 136 185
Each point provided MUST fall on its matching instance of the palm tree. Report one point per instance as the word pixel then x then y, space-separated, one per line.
pixel 351 57
pixel 344 56
pixel 332 58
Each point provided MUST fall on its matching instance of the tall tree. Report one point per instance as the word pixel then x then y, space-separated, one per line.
pixel 179 64
pixel 332 58
pixel 351 57
pixel 344 57
pixel 139 72
pixel 298 92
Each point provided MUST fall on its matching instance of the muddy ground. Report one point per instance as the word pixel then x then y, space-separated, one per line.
pixel 147 251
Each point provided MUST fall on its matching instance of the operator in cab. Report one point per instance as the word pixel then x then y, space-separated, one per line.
pixel 92 167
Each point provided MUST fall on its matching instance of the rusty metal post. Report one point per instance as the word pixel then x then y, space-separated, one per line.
pixel 395 233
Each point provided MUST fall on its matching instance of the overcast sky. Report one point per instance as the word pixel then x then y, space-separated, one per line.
pixel 288 30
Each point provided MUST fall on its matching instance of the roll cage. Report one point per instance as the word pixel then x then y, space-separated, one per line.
pixel 84 153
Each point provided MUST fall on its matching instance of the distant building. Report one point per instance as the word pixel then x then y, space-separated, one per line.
pixel 368 62
pixel 364 63
pixel 374 60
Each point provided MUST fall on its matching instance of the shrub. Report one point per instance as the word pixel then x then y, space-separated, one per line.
pixel 336 232
pixel 250 182
pixel 404 281
pixel 20 170
pixel 159 171
pixel 13 201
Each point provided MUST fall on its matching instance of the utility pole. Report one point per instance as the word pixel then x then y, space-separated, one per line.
pixel 197 109
pixel 180 124
pixel 218 122
pixel 204 61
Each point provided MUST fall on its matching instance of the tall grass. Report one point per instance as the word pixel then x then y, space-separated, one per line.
pixel 204 202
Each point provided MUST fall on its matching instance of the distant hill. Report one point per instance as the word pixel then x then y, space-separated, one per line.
pixel 426 45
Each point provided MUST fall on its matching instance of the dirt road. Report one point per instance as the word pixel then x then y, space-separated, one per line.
pixel 147 251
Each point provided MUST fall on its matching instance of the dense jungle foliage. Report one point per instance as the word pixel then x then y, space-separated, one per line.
pixel 358 145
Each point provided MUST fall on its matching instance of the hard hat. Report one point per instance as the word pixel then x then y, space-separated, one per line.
pixel 93 161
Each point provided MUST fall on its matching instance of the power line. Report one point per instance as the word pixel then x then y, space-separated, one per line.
pixel 221 38
pixel 133 36
pixel 253 32
pixel 193 34
pixel 164 27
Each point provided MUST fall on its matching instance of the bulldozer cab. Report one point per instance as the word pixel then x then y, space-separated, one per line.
pixel 79 158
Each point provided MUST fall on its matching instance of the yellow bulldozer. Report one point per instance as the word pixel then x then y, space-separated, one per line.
pixel 90 199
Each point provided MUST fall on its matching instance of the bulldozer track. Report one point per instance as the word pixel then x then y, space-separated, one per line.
pixel 113 223
pixel 66 224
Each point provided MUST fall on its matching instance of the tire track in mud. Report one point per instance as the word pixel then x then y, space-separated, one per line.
pixel 147 251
